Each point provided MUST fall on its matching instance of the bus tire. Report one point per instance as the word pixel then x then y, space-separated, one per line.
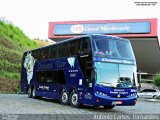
pixel 34 92
pixel 109 107
pixel 64 97
pixel 73 99
pixel 29 92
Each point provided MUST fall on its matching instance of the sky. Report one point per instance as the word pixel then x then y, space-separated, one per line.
pixel 32 16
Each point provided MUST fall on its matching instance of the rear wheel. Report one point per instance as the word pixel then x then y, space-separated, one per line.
pixel 29 92
pixel 64 98
pixel 73 99
pixel 34 92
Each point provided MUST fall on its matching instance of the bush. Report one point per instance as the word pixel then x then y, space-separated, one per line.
pixel 156 79
pixel 157 97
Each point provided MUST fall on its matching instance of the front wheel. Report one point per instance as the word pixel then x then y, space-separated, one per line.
pixel 109 107
pixel 73 99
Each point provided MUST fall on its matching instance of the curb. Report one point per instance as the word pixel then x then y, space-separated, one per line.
pixel 152 100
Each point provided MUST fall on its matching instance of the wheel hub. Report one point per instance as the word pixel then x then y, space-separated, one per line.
pixel 74 99
pixel 64 97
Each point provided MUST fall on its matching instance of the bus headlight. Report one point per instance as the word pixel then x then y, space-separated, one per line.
pixel 132 95
pixel 101 93
pixel 133 90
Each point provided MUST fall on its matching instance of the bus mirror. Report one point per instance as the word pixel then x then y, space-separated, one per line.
pixel 83 53
pixel 90 85
pixel 93 75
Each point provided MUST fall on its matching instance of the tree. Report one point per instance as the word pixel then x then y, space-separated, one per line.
pixel 156 80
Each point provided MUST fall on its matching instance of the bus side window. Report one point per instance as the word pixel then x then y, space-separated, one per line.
pixel 58 51
pixel 41 77
pixel 67 49
pixel 85 46
pixel 77 46
pixel 72 48
pixel 61 77
pixel 53 52
pixel 47 53
pixel 49 77
pixel 61 50
pixel 41 54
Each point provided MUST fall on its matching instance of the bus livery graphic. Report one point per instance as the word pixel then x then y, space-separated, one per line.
pixel 97 70
pixel 29 65
pixel 71 61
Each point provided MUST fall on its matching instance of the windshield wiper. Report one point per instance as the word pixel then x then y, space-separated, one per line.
pixel 126 84
pixel 108 84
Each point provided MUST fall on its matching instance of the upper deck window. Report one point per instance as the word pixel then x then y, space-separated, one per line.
pixel 113 48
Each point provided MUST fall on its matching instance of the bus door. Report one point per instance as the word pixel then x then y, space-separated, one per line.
pixel 85 62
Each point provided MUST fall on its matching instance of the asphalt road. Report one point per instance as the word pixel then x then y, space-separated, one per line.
pixel 14 104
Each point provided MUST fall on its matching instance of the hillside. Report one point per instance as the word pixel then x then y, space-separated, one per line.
pixel 13 42
pixel 42 43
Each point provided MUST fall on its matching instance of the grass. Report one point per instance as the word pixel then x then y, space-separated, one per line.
pixel 10 75
pixel 13 42
pixel 17 39
pixel 9 85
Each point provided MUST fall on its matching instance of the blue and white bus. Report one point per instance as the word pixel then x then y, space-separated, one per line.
pixel 96 70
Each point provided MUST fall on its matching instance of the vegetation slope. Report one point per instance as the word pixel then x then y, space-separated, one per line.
pixel 13 42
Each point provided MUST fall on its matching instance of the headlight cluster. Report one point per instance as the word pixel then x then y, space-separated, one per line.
pixel 101 93
pixel 133 90
pixel 131 95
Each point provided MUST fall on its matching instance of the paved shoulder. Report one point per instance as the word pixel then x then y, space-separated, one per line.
pixel 21 104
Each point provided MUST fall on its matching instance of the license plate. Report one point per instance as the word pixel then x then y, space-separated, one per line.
pixel 117 102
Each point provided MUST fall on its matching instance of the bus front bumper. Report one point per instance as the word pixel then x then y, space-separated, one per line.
pixel 109 101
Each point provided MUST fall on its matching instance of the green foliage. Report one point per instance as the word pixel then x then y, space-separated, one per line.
pixel 156 79
pixel 10 75
pixel 12 56
pixel 13 42
pixel 13 37
pixel 9 67
pixel 157 97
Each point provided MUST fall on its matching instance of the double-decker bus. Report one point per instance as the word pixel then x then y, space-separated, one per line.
pixel 96 70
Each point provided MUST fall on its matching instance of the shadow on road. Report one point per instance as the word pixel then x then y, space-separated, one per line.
pixel 83 107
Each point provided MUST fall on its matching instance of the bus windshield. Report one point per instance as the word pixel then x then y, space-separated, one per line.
pixel 115 75
pixel 113 48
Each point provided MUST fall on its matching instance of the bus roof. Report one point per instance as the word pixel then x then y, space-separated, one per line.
pixel 77 37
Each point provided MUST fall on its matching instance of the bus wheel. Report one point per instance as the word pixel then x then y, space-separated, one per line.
pixel 73 99
pixel 64 97
pixel 109 107
pixel 34 92
pixel 29 92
